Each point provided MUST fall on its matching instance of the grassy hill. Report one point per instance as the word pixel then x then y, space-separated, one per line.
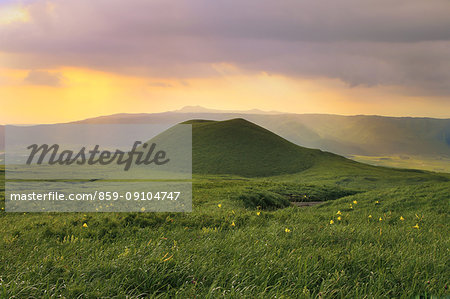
pixel 368 135
pixel 421 142
pixel 239 147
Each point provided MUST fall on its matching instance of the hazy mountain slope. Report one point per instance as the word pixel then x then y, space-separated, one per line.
pixel 2 138
pixel 368 135
pixel 344 135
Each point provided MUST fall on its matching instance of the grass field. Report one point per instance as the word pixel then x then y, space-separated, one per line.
pixel 379 233
pixel 226 247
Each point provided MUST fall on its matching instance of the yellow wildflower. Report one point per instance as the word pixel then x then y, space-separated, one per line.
pixel 232 224
pixel 401 218
pixel 338 213
pixel 416 226
pixel 377 202
pixel 287 230
pixel 355 202
pixel 219 205
pixel 125 253
pixel 168 259
pixel 331 221
pixel 351 207
pixel 370 216
pixel 258 213
pixel 142 209
pixel 85 224
pixel 381 219
pixel 339 218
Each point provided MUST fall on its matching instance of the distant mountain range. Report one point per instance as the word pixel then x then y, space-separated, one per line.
pixel 343 135
pixel 200 109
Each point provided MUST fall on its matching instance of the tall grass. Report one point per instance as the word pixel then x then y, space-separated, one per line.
pixel 225 249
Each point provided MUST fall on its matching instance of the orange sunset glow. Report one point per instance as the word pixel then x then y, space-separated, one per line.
pixel 53 70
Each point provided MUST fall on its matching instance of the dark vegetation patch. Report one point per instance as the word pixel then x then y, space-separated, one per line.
pixel 266 200
pixel 274 195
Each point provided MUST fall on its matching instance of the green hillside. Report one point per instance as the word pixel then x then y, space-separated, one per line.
pixel 242 148
pixel 239 147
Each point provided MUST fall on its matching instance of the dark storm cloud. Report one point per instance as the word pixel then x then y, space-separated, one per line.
pixel 404 42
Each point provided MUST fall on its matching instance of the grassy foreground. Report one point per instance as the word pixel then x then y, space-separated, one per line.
pixel 380 242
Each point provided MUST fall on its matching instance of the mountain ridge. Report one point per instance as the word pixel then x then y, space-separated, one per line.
pixel 344 135
pixel 350 136
pixel 200 109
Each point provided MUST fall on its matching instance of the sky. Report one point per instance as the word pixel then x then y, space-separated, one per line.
pixel 65 60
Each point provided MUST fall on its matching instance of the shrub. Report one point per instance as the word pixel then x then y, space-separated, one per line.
pixel 265 200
